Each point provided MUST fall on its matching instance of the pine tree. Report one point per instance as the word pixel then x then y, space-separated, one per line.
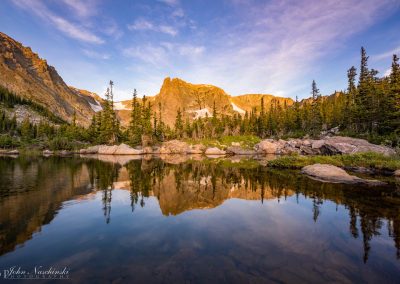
pixel 26 129
pixel 297 117
pixel 316 120
pixel 362 98
pixel 146 117
pixel 179 124
pixel 349 111
pixel 135 127
pixel 393 99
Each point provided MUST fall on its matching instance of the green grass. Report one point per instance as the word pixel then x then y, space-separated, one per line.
pixel 246 141
pixel 367 160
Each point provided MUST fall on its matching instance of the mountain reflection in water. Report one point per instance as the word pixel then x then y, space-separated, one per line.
pixel 354 224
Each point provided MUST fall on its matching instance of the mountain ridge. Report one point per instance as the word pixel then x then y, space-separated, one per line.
pixel 27 75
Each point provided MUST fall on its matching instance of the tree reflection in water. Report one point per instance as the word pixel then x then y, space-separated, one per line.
pixel 29 184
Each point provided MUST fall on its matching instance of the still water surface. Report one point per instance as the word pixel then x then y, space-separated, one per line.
pixel 194 221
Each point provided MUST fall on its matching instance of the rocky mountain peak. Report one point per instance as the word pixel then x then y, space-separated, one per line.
pixel 27 75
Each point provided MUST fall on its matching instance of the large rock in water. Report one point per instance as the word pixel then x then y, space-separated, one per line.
pixel 214 151
pixel 90 150
pixel 269 146
pixel 121 149
pixel 328 146
pixel 107 150
pixel 330 173
pixel 124 149
pixel 174 147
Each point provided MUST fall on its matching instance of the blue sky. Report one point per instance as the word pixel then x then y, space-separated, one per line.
pixel 242 46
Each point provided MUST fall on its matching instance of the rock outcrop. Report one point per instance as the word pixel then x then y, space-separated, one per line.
pixel 9 152
pixel 328 146
pixel 27 75
pixel 174 147
pixel 121 149
pixel 333 174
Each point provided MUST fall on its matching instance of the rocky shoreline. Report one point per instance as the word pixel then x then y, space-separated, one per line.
pixel 336 145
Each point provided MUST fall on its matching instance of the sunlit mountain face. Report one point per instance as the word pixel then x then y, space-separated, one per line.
pixel 153 216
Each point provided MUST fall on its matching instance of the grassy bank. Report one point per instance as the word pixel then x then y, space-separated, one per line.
pixel 367 160
pixel 245 141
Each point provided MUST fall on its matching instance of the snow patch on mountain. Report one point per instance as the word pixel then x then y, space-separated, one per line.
pixel 201 113
pixel 120 106
pixel 238 109
pixel 96 107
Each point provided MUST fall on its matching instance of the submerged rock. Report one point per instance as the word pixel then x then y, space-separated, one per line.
pixel 65 153
pixel 174 159
pixel 333 174
pixel 47 152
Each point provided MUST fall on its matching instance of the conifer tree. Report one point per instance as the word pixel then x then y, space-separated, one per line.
pixel 135 127
pixel 315 123
pixel 179 124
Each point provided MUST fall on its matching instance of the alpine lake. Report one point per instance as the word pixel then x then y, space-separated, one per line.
pixel 191 219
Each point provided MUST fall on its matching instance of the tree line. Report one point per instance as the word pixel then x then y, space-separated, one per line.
pixel 369 108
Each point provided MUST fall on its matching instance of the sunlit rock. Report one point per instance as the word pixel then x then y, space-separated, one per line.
pixel 174 147
pixel 124 149
pixel 214 151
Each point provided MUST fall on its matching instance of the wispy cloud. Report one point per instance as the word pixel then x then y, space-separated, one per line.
pixel 276 44
pixel 170 2
pixel 81 8
pixel 164 54
pixel 70 29
pixel 112 29
pixel 146 25
pixel 387 54
pixel 95 55
pixel 155 55
pixel 168 30
pixel 178 13
pixel 141 25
